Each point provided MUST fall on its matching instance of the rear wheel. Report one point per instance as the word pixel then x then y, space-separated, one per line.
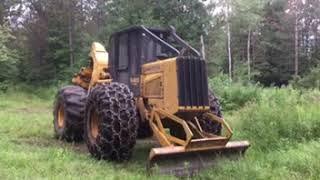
pixel 68 113
pixel 110 122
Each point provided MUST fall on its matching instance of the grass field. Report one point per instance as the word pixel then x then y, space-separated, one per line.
pixel 283 126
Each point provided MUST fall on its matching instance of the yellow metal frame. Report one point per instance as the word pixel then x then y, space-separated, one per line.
pixel 166 94
pixel 196 138
pixel 100 59
pixel 215 118
pixel 97 72
pixel 163 137
pixel 160 78
pixel 83 78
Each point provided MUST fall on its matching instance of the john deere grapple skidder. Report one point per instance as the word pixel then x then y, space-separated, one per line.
pixel 152 83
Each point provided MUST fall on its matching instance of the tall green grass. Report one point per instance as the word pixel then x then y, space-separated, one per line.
pixel 282 117
pixel 270 117
pixel 234 95
pixel 282 125
pixel 40 92
pixel 309 80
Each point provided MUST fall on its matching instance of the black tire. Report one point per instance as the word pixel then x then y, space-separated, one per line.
pixel 68 113
pixel 206 124
pixel 113 108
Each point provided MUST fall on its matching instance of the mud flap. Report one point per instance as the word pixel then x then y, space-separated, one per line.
pixel 179 161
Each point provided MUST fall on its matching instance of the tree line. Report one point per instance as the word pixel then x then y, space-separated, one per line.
pixel 266 41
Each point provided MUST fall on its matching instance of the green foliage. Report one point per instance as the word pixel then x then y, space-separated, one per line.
pixel 283 130
pixel 189 17
pixel 233 95
pixel 270 117
pixel 282 117
pixel 310 80
pixel 248 12
pixel 49 33
pixel 274 43
pixel 240 74
pixel 8 58
pixel 215 49
pixel 53 32
pixel 4 85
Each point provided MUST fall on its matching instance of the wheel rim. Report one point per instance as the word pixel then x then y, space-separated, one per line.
pixel 94 126
pixel 61 116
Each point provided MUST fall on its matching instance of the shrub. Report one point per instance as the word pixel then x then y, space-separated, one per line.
pixel 311 80
pixel 4 85
pixel 283 116
pixel 233 96
pixel 8 58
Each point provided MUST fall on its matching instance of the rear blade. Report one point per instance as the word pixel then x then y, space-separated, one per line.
pixel 176 160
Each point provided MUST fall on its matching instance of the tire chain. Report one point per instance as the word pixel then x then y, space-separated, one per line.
pixel 118 128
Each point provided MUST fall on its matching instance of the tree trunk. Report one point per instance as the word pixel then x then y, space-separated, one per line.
pixel 248 54
pixel 203 52
pixel 296 46
pixel 70 29
pixel 229 41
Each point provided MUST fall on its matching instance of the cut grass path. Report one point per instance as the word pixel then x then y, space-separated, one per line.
pixel 29 151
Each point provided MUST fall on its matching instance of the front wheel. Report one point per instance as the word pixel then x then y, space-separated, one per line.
pixel 110 122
